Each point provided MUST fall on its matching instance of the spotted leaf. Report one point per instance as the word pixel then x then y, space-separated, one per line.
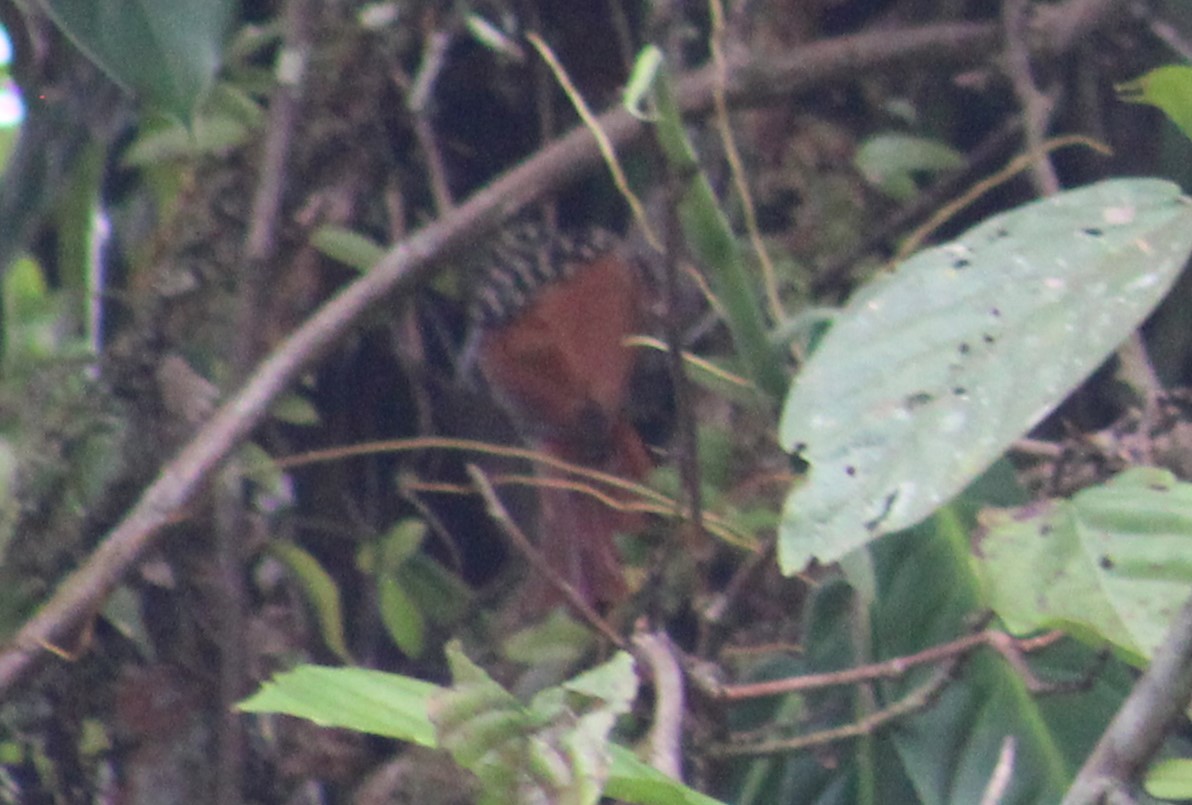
pixel 930 372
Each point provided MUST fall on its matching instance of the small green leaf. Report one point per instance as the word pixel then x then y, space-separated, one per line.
pixel 559 639
pixel 442 597
pixel 613 682
pixel 401 617
pixel 294 409
pixel 401 542
pixel 893 162
pixel 320 591
pixel 1170 779
pixel 1169 88
pixel 1111 564
pixel 348 247
pixel 636 97
pixel 493 38
pixel 385 560
pixel 632 780
pixel 932 371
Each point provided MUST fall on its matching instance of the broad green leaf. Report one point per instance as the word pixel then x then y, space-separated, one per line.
pixel 928 594
pixel 1112 564
pixel 166 51
pixel 320 590
pixel 893 162
pixel 395 706
pixel 931 372
pixel 925 594
pixel 1169 88
pixel 352 698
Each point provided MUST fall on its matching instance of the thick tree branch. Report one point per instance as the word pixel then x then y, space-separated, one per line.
pixel 1142 723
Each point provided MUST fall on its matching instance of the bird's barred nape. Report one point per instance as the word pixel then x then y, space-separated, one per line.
pixel 526 258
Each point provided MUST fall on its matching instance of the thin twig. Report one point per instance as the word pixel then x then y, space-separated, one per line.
pixel 418 102
pixel 501 517
pixel 918 699
pixel 607 149
pixel 1165 32
pixel 1037 106
pixel 1012 169
pixel 736 164
pixel 887 669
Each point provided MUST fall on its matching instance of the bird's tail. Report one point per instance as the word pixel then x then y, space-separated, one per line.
pixel 577 530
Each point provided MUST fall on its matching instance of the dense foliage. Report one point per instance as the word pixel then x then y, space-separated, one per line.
pixel 918 520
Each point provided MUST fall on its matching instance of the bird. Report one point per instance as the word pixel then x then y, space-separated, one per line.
pixel 551 312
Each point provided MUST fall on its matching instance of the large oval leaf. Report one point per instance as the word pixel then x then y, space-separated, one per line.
pixel 931 372
pixel 166 51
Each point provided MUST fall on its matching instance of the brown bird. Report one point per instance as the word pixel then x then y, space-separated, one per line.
pixel 552 314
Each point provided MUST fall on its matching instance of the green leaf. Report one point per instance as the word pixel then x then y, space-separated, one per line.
pixel 931 372
pixel 401 617
pixel 29 314
pixel 1170 779
pixel 358 699
pixel 294 409
pixel 558 639
pixel 1169 88
pixel 441 596
pixel 320 590
pixel 893 162
pixel 636 95
pixel 225 118
pixel 348 247
pixel 924 594
pixel 385 560
pixel 1111 564
pixel 631 780
pixel 554 750
pixel 711 240
pixel 927 594
pixel 166 51
pixel 395 706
